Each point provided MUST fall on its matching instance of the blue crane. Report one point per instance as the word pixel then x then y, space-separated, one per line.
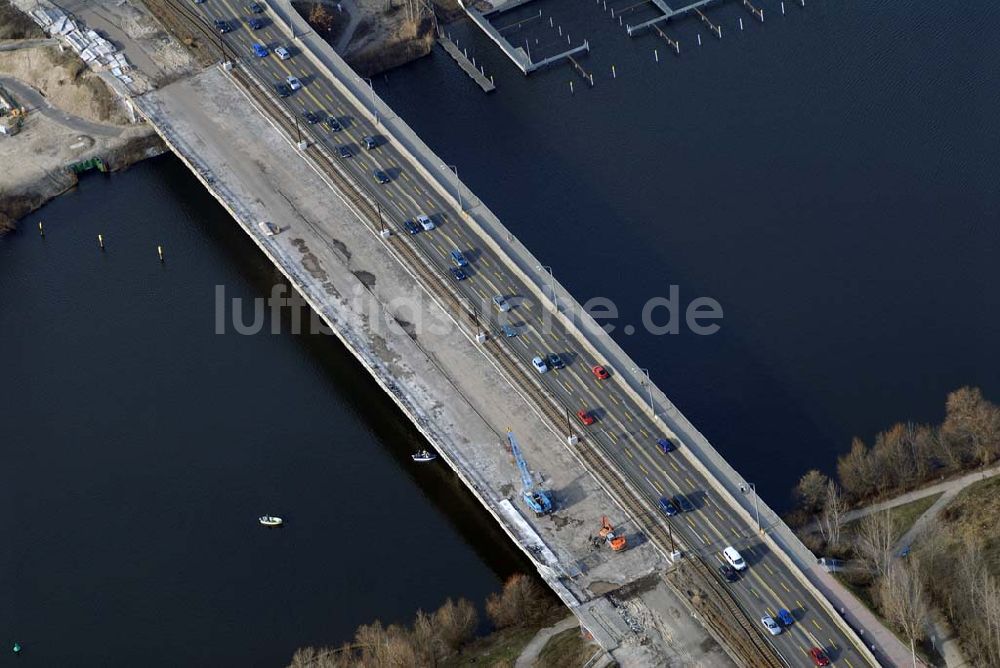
pixel 537 499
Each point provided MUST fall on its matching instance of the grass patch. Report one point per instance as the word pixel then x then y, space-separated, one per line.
pixel 500 649
pixel 566 650
pixel 972 518
pixel 903 517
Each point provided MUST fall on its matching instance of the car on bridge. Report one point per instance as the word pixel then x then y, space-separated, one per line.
pixel 555 362
pixel 259 50
pixel 682 502
pixel 818 656
pixel 293 82
pixel 458 274
pixel 344 152
pixel 667 506
pixel 585 417
pixel 411 226
pixel 334 123
pixel 501 303
pixel 508 331
pixel 380 176
pixel 222 26
pixel 666 445
pixel 600 372
pixel 772 626
pixel 282 90
pixel 282 52
pixel 255 24
pixel 728 573
pixel 734 558
pixel 785 617
pixel 458 258
pixel 539 364
pixel 369 141
pixel 425 222
pixel 311 118
pixel 255 8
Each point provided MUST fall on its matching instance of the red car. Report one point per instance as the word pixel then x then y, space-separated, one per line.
pixel 585 417
pixel 601 372
pixel 818 657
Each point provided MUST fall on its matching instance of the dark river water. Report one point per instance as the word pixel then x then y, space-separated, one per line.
pixel 831 177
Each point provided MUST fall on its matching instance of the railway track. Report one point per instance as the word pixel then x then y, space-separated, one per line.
pixel 718 608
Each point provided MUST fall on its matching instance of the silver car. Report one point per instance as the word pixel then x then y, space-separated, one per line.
pixel 539 364
pixel 771 625
pixel 501 303
pixel 282 53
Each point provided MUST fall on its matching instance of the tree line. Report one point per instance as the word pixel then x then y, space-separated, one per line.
pixel 433 637
pixel 907 455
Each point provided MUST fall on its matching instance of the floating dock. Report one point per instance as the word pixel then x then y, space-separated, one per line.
pixel 468 66
pixel 520 56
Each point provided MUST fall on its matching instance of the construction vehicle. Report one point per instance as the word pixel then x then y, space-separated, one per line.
pixel 615 542
pixel 536 499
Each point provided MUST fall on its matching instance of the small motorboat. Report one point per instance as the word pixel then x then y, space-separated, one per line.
pixel 423 456
pixel 270 520
pixel 269 229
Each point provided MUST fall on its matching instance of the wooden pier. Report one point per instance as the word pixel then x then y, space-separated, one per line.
pixel 468 66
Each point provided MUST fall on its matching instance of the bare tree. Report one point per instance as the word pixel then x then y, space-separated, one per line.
pixel 811 491
pixel 455 623
pixel 854 471
pixel 901 596
pixel 832 518
pixel 520 602
pixel 972 424
pixel 320 18
pixel 874 541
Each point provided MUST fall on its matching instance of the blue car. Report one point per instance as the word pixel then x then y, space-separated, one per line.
pixel 508 331
pixel 458 274
pixel 255 24
pixel 411 226
pixel 259 50
pixel 666 445
pixel 458 258
pixel 785 617
pixel 668 507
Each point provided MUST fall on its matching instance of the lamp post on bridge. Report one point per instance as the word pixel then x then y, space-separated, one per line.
pixel 458 185
pixel 371 88
pixel 552 287
pixel 649 387
pixel 750 487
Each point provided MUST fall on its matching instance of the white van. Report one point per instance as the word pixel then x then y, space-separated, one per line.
pixel 734 558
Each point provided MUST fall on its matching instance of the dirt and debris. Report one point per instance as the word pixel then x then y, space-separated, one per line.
pixel 373 35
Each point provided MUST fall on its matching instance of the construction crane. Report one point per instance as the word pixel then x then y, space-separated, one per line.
pixel 615 542
pixel 537 499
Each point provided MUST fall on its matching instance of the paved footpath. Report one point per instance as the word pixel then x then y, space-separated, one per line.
pixel 949 487
pixel 530 652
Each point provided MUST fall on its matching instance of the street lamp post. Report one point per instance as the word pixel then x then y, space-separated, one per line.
pixel 552 279
pixel 756 511
pixel 371 88
pixel 458 186
pixel 649 386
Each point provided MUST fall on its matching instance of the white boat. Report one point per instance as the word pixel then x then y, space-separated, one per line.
pixel 270 521
pixel 423 456
pixel 269 229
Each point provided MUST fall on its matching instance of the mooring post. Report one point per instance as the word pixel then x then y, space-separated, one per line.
pixel 699 39
pixel 571 87
pixel 613 74
pixel 100 241
pixel 41 230
pixel 159 251
pixel 741 23
pixel 656 55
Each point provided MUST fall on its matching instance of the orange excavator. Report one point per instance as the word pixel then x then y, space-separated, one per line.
pixel 615 542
